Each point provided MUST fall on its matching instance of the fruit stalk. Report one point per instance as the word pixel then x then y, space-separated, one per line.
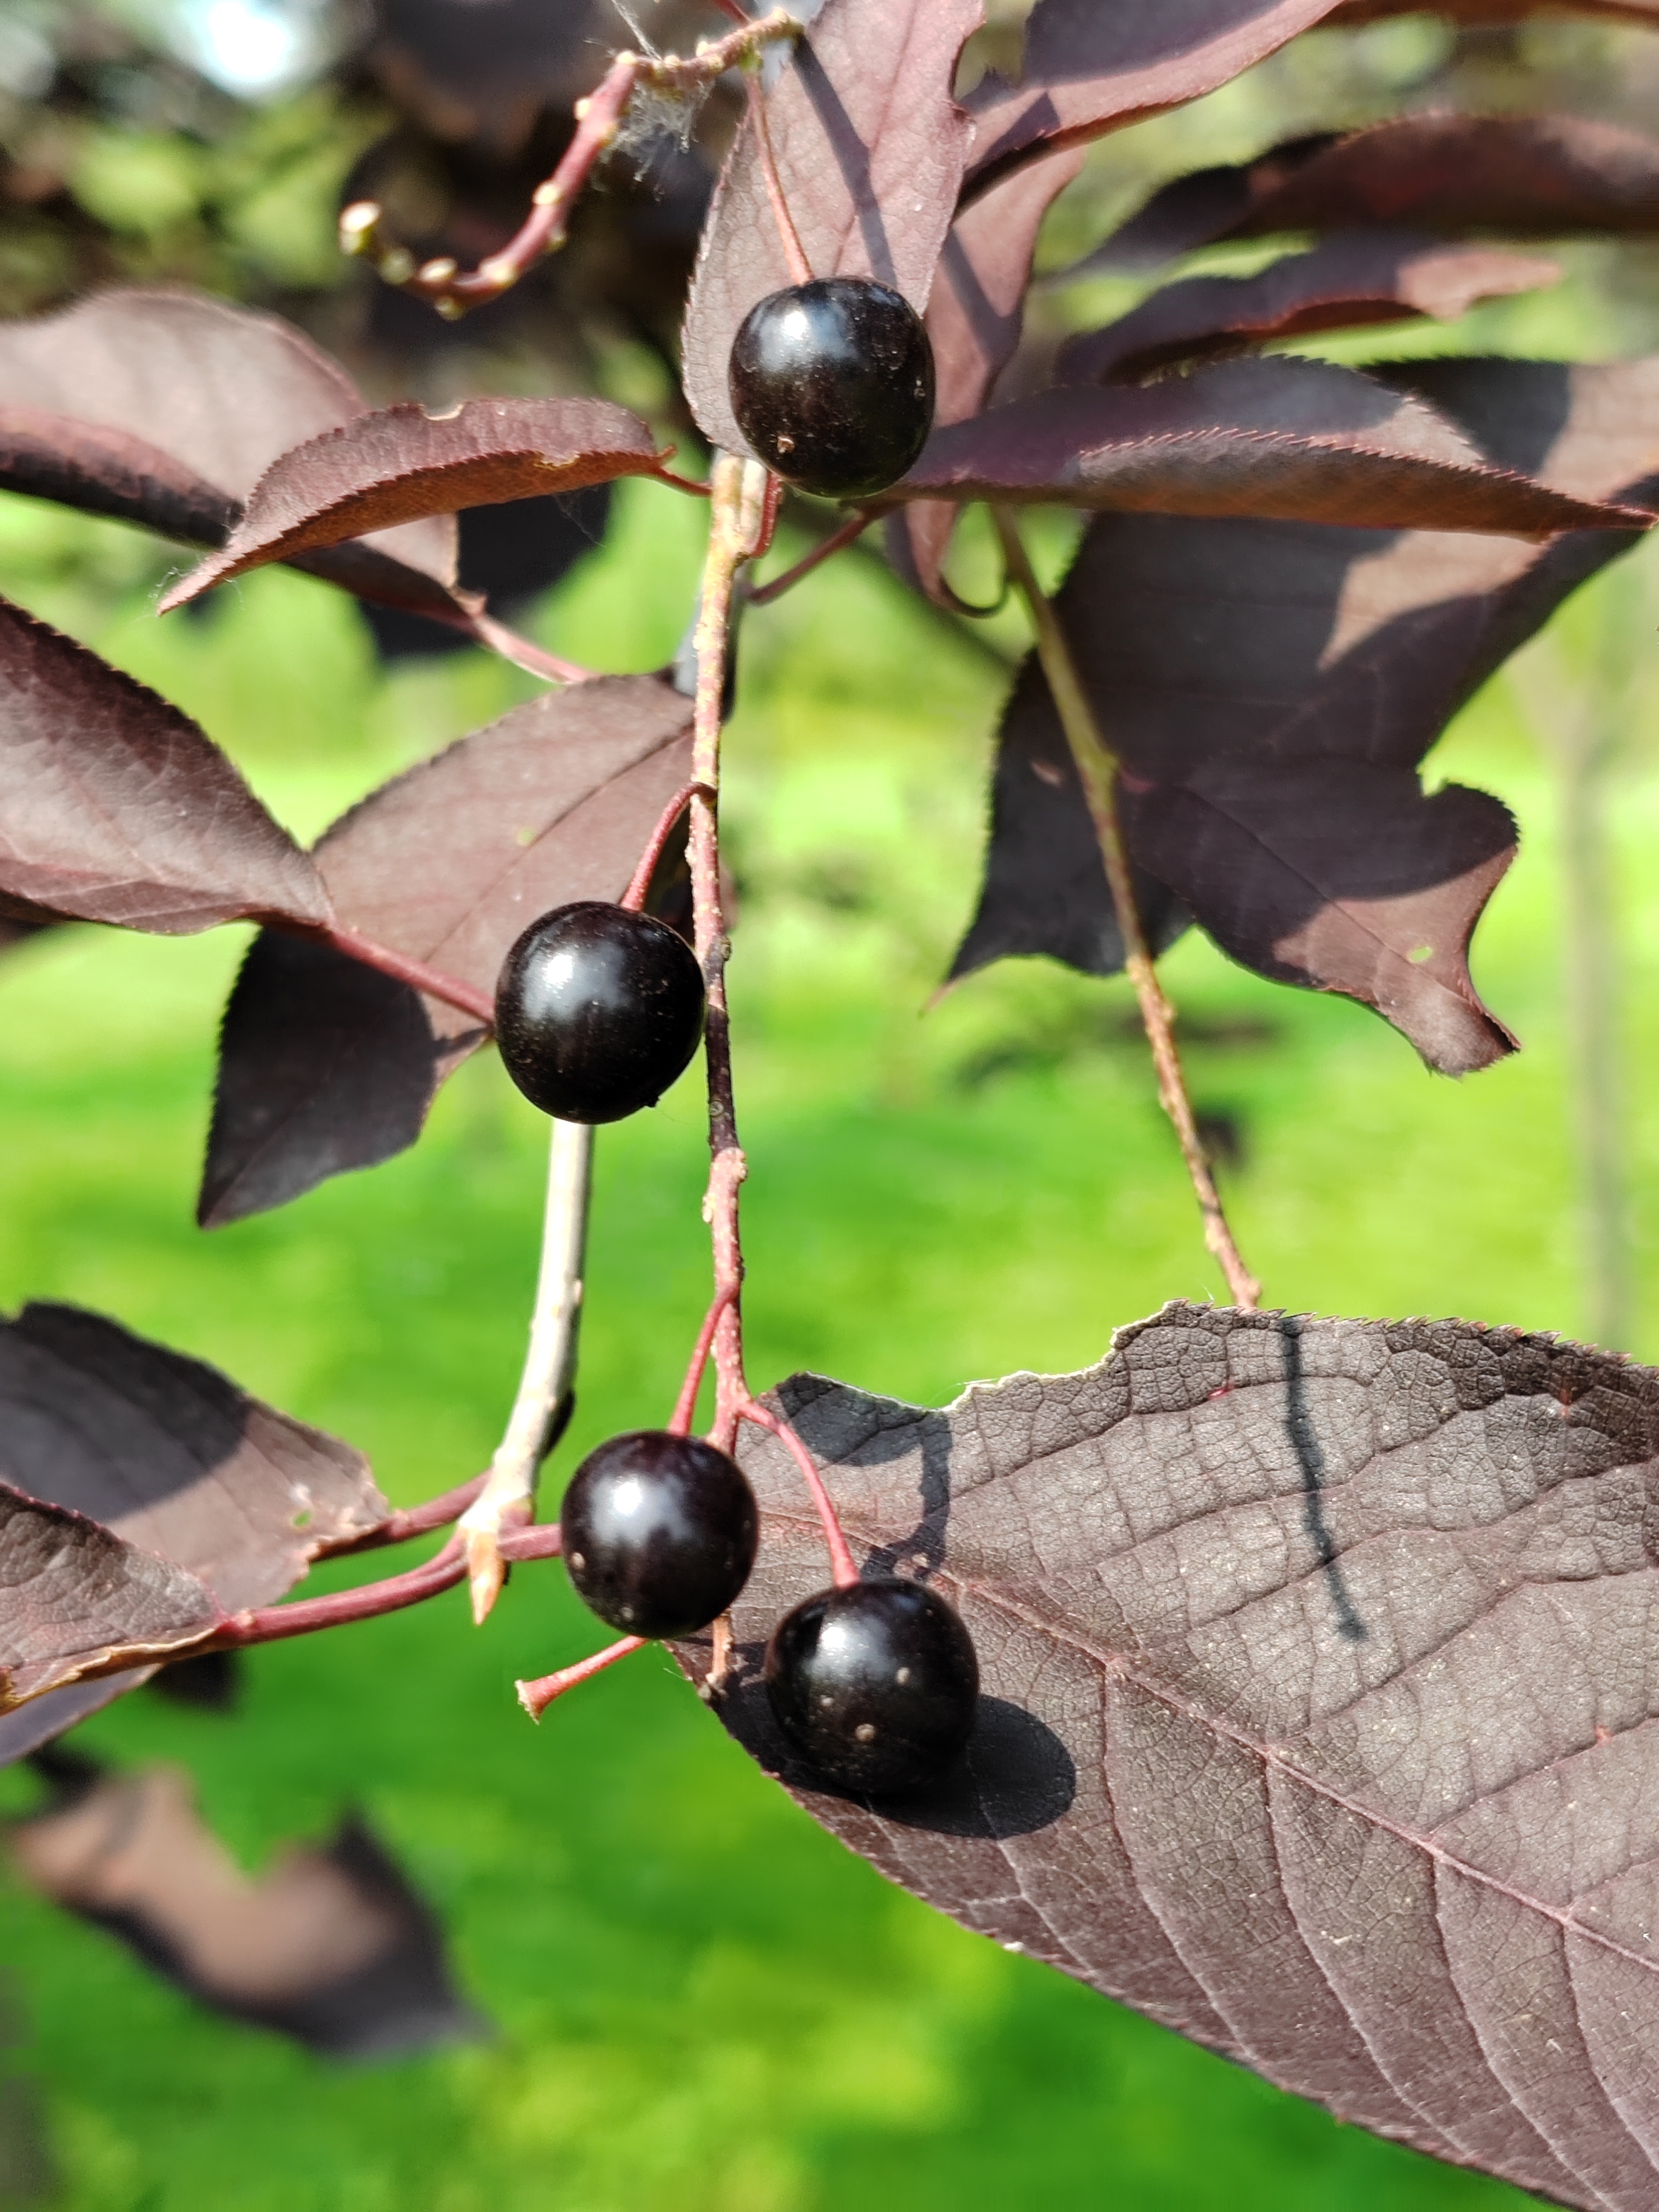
pixel 1097 768
pixel 545 1393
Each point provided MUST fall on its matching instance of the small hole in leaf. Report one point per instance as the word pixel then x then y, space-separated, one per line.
pixel 1420 953
pixel 304 1518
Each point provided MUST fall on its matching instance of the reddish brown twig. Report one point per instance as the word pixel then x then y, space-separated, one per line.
pixel 837 541
pixel 737 524
pixel 536 1696
pixel 452 290
pixel 432 980
pixel 843 1572
pixel 633 896
pixel 686 1405
pixel 413 1521
pixel 1098 767
pixel 541 1540
pixel 272 1624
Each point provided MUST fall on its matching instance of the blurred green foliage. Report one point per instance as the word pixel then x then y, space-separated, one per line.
pixel 702 2001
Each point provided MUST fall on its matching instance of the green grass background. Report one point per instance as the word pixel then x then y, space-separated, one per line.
pixel 702 2001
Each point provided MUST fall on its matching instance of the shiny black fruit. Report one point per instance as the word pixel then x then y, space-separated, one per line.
pixel 877 1683
pixel 659 1532
pixel 832 384
pixel 598 1011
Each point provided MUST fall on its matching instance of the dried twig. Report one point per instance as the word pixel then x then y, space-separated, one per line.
pixel 452 290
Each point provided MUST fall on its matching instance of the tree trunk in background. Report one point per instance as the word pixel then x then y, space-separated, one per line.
pixel 1590 982
pixel 1581 721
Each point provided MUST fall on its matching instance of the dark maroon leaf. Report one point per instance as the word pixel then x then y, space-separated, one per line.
pixel 1091 69
pixel 975 317
pixel 143 1496
pixel 870 149
pixel 1266 1609
pixel 17 933
pixel 331 1944
pixel 1045 889
pixel 324 1066
pixel 1293 439
pixel 166 407
pixel 403 464
pixel 78 1597
pixel 114 807
pixel 106 472
pixel 1351 13
pixel 1518 176
pixel 1271 689
pixel 1354 278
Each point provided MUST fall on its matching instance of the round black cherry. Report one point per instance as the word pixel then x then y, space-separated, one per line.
pixel 877 1684
pixel 832 384
pixel 598 1011
pixel 659 1532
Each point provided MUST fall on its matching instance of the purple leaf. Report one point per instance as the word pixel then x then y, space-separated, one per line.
pixel 1270 690
pixel 1045 889
pixel 114 807
pixel 1354 278
pixel 1519 176
pixel 166 407
pixel 403 464
pixel 869 149
pixel 1091 69
pixel 1351 13
pixel 141 1496
pixel 325 1066
pixel 1266 1607
pixel 1294 440
pixel 330 1944
pixel 975 317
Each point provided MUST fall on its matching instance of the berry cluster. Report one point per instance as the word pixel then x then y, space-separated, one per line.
pixel 600 1008
pixel 875 1683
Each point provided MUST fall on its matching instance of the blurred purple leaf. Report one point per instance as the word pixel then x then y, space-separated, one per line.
pixel 1090 69
pixel 1515 176
pixel 1316 1724
pixel 1352 279
pixel 114 807
pixel 869 149
pixel 165 407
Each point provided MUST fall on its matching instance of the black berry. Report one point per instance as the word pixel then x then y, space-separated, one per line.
pixel 598 1011
pixel 832 384
pixel 659 1532
pixel 877 1683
